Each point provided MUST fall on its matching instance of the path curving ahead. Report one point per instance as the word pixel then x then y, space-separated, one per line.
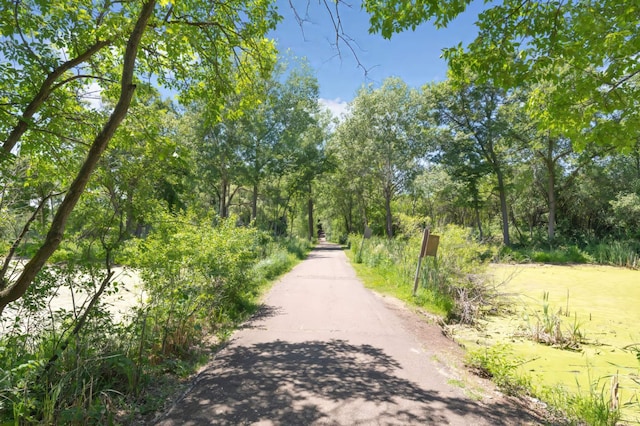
pixel 324 350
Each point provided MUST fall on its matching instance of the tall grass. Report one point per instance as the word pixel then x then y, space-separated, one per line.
pixel 617 253
pixel 560 255
pixel 452 284
pixel 592 407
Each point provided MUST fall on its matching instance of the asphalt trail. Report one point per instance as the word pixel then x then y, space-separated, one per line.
pixel 324 350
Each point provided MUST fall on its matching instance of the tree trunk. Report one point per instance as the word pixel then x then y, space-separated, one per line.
pixel 478 222
pixel 476 206
pixel 348 216
pixel 58 225
pixel 387 209
pixel 224 186
pixel 551 193
pixel 310 211
pixel 503 208
pixel 254 202
pixel 130 223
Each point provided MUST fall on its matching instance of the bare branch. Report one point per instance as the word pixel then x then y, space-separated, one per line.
pixel 16 243
pixel 79 77
pixel 341 36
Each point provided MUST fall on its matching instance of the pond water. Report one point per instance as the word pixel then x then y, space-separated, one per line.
pixel 601 302
pixel 129 295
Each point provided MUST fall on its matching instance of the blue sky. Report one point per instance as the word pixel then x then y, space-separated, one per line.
pixel 413 56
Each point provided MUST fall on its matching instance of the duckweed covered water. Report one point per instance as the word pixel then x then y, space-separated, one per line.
pixel 601 302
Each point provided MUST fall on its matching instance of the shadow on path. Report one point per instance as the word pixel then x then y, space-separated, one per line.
pixel 328 247
pixel 300 383
pixel 263 312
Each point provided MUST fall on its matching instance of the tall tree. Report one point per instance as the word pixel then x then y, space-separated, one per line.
pixel 381 140
pixel 272 130
pixel 42 91
pixel 310 162
pixel 475 135
pixel 553 156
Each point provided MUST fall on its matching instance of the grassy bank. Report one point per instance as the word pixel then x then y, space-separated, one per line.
pixel 560 333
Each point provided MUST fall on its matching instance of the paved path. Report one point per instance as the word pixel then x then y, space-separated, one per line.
pixel 326 351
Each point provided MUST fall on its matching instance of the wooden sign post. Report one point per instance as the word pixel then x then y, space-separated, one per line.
pixel 365 236
pixel 429 248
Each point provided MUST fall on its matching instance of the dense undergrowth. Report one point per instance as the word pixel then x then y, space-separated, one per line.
pixel 453 284
pixel 613 252
pixel 82 365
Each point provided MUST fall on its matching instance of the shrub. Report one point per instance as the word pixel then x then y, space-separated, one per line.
pixel 626 213
pixel 194 273
pixel 199 276
pixel 501 365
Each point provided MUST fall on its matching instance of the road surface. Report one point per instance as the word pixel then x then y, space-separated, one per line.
pixel 324 350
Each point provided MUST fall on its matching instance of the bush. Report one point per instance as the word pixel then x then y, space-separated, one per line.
pixel 626 213
pixel 300 247
pixel 197 277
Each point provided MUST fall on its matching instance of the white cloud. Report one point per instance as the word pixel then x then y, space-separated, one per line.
pixel 92 94
pixel 338 107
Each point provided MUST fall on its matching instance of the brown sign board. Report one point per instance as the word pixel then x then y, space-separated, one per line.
pixel 432 245
pixel 367 232
pixel 429 244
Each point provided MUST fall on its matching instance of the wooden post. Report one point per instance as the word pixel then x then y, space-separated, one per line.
pixel 367 234
pixel 361 248
pixel 423 250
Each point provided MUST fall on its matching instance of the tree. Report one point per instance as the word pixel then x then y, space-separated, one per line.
pixel 105 41
pixel 271 131
pixel 381 141
pixel 475 136
pixel 554 159
pixel 146 165
pixel 215 142
pixel 587 49
pixel 310 162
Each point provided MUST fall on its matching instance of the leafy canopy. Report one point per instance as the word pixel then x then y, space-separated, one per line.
pixel 586 49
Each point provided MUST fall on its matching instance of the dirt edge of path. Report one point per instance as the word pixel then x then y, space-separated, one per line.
pixel 449 356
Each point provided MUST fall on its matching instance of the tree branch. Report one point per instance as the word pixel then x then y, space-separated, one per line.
pixel 46 89
pixel 16 243
pixel 57 228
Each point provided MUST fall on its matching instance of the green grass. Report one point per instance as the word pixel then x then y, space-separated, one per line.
pixel 615 253
pixel 558 256
pixel 389 280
